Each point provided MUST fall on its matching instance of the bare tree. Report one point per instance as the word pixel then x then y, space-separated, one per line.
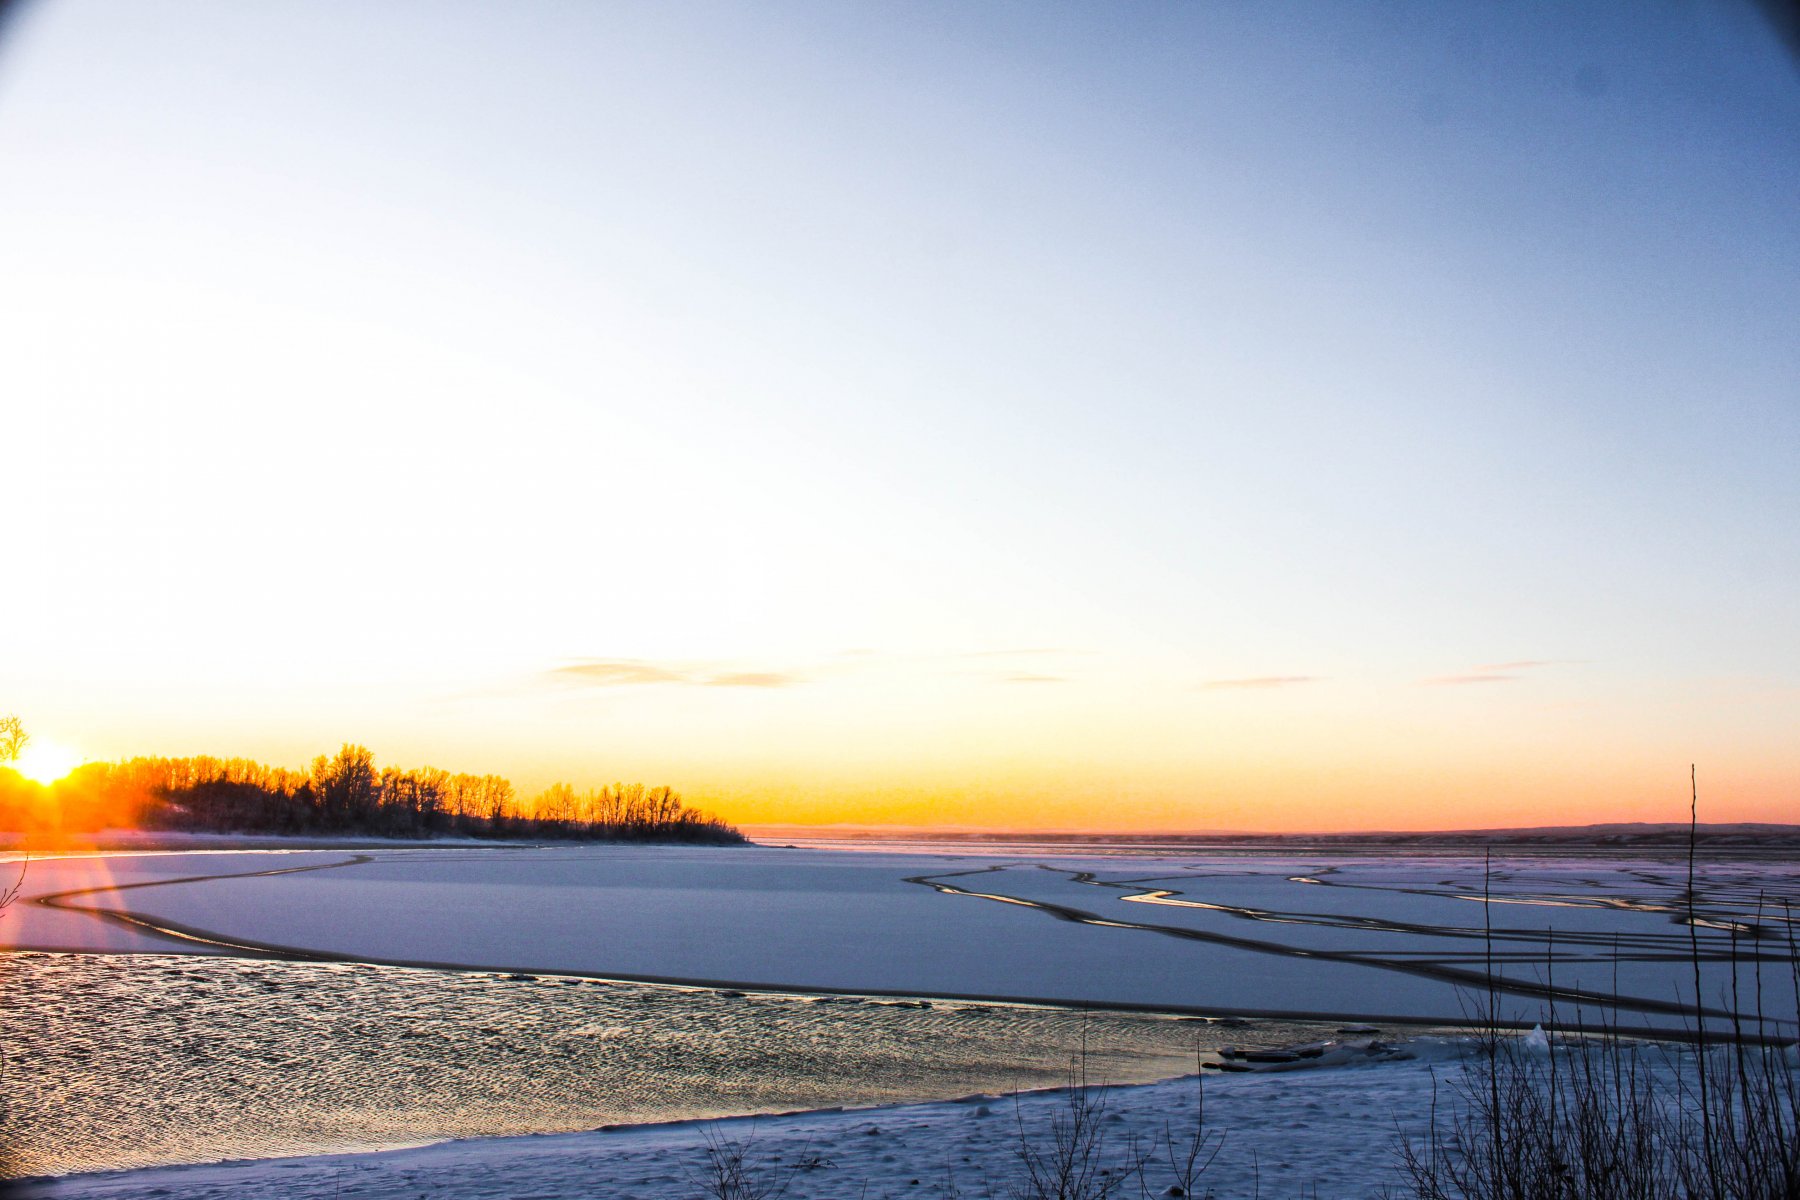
pixel 12 742
pixel 12 738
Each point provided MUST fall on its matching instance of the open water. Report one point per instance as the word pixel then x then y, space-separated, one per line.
pixel 135 1060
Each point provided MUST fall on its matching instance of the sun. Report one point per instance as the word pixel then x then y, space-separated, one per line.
pixel 45 762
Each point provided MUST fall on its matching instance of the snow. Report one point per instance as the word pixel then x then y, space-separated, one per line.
pixel 1361 937
pixel 1333 1128
pixel 1351 937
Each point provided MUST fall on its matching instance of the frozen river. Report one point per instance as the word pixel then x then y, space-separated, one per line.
pixel 195 1006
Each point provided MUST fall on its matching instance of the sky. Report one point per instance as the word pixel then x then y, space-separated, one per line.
pixel 1174 416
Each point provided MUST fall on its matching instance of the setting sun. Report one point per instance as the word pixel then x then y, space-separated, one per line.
pixel 46 762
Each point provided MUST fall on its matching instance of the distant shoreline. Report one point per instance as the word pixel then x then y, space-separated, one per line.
pixel 1751 840
pixel 160 841
pixel 1726 836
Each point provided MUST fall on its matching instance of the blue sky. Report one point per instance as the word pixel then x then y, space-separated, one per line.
pixel 371 363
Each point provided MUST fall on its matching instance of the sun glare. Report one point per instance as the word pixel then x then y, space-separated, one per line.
pixel 46 762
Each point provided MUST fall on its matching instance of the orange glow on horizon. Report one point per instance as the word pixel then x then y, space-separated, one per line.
pixel 906 754
pixel 1275 802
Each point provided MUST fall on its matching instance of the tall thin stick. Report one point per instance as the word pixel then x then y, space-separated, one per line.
pixel 1712 1170
pixel 1492 1032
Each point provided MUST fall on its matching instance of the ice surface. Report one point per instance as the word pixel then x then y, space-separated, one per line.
pixel 1357 936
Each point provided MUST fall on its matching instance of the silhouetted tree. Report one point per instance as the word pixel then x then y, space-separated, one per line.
pixel 345 788
pixel 12 738
pixel 347 792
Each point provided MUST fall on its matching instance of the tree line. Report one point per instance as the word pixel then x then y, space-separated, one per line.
pixel 344 793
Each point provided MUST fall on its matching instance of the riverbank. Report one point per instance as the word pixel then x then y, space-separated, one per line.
pixel 1334 1129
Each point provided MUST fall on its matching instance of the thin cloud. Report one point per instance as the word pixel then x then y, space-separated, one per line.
pixel 1501 672
pixel 629 672
pixel 752 679
pixel 1257 681
pixel 636 672
pixel 618 673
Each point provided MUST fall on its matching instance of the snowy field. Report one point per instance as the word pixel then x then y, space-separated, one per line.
pixel 1366 937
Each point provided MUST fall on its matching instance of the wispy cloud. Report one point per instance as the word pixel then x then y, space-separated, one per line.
pixel 1258 681
pixel 617 673
pixel 1028 664
pixel 1500 672
pixel 629 672
pixel 752 679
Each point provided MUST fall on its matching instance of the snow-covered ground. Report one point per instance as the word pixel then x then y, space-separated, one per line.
pixel 1351 935
pixel 1369 937
pixel 1334 1129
